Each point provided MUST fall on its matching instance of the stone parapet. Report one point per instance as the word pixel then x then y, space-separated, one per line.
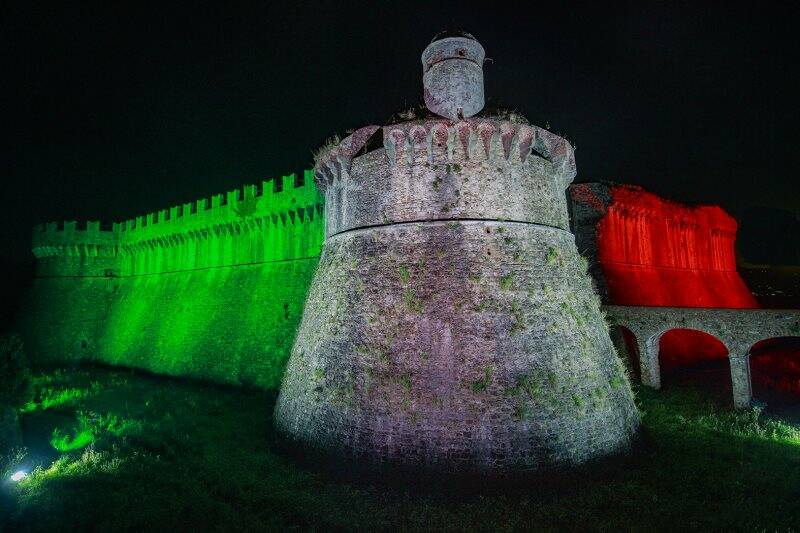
pixel 279 219
pixel 75 249
pixel 436 169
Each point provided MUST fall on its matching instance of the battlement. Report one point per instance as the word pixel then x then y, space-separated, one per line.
pixel 285 197
pixel 139 243
pixel 647 250
pixel 275 196
pixel 73 238
pixel 591 201
pixel 436 169
pixel 337 162
pixel 440 141
pixel 92 228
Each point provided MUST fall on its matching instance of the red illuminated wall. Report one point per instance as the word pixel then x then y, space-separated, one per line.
pixel 655 252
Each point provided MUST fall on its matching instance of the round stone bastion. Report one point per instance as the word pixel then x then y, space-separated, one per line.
pixel 451 323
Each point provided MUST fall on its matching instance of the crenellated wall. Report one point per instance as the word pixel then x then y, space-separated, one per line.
pixel 254 224
pixel 71 249
pixel 212 289
pixel 648 251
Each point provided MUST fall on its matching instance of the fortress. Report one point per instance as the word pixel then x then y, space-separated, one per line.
pixel 450 282
pixel 451 321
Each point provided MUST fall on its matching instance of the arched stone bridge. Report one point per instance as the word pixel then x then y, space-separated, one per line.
pixel 737 329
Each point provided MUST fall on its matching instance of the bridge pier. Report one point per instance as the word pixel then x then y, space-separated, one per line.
pixel 740 379
pixel 648 361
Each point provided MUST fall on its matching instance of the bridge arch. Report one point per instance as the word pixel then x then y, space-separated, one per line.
pixel 775 368
pixel 683 347
pixel 697 356
pixel 737 329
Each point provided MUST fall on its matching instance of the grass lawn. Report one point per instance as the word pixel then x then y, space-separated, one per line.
pixel 126 451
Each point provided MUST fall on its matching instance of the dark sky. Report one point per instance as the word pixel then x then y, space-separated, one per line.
pixel 114 112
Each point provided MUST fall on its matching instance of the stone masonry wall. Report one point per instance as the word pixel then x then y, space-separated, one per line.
pixel 212 290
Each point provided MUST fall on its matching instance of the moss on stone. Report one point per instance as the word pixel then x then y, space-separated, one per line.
pixel 519 319
pixel 404 274
pixel 480 385
pixel 405 381
pixel 552 255
pixel 412 302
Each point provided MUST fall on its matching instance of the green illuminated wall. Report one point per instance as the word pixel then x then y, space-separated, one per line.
pixel 212 289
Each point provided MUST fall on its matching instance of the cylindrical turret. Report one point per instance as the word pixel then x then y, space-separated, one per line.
pixel 452 76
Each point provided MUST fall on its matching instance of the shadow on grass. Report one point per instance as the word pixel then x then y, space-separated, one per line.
pixel 174 455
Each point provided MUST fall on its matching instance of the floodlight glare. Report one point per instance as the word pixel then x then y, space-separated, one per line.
pixel 18 475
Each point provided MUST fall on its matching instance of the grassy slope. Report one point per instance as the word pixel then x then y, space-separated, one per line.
pixel 171 455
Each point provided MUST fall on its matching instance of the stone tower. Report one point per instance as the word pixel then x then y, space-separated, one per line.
pixel 451 322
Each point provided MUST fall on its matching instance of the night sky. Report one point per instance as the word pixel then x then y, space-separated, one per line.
pixel 114 112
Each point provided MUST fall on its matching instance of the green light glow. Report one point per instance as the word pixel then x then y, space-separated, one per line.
pixel 211 290
pixel 64 443
pixel 51 398
pixel 90 427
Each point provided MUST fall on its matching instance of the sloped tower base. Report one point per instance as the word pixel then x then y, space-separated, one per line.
pixel 465 345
